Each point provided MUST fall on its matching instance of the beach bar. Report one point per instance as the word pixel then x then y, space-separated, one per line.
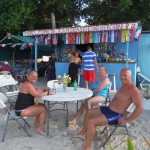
pixel 116 46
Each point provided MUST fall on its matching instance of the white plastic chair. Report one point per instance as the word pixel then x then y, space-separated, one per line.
pixel 145 82
pixel 8 81
pixel 53 83
pixel 11 115
pixel 12 96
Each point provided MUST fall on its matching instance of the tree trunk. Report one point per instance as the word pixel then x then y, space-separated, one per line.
pixel 54 27
pixel 53 21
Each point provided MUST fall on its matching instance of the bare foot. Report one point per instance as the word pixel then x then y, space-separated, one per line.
pixel 80 136
pixel 73 122
pixel 41 131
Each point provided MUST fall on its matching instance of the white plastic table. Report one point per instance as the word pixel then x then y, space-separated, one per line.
pixel 68 96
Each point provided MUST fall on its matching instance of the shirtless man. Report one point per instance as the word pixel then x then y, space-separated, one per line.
pixel 114 113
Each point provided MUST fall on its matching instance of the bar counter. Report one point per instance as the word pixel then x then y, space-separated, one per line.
pixel 62 67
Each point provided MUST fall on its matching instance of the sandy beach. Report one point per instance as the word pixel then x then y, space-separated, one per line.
pixel 60 136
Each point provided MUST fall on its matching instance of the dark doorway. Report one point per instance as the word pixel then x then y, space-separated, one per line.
pixel 83 47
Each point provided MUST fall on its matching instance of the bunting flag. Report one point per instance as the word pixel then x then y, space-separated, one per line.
pixel 127 35
pixel 48 39
pixel 37 39
pixel 137 33
pixel 112 36
pixel 23 46
pixel 41 39
pixel 119 35
pixel 131 34
pixel 3 45
pixel 115 36
pixel 91 35
pixel 109 36
pixel 13 46
pixel 54 38
pixel 71 38
pixel 105 34
pixel 82 38
pixel 30 45
pixel 87 37
pixel 98 36
pixel 66 38
pixel 78 38
pixel 123 38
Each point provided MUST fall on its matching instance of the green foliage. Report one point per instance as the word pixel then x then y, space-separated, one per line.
pixel 114 11
pixel 14 14
pixel 130 144
pixel 66 11
pixel 125 4
pixel 111 148
pixel 20 15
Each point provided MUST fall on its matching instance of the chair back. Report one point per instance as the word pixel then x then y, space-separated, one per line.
pixel 110 85
pixel 5 73
pixel 109 89
pixel 3 97
pixel 12 94
pixel 2 105
pixel 53 83
pixel 6 80
pixel 131 108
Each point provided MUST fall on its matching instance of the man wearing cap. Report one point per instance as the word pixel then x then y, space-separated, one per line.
pixel 5 67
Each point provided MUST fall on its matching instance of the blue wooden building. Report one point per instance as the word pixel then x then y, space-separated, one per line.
pixel 144 53
pixel 125 49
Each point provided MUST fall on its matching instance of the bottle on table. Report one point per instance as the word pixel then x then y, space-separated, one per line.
pixel 75 85
pixel 54 88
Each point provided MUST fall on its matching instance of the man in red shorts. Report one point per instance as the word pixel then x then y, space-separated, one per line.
pixel 90 63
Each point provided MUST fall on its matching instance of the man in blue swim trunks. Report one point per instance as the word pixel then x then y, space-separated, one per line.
pixel 114 113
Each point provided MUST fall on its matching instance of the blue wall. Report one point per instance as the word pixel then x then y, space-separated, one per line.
pixel 144 54
pixel 62 67
pixel 133 49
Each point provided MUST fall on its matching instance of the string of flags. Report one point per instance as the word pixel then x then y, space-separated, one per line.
pixel 111 36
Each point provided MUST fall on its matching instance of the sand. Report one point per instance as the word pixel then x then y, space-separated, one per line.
pixel 60 136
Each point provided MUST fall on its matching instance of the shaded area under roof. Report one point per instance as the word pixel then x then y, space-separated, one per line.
pixel 6 52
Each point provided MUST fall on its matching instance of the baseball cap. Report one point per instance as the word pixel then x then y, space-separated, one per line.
pixel 6 63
